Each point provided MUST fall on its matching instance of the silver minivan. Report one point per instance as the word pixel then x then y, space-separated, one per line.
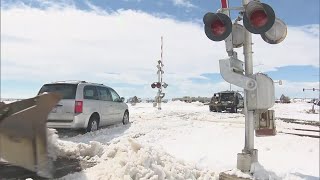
pixel 85 105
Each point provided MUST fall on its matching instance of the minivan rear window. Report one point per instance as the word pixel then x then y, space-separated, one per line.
pixel 68 91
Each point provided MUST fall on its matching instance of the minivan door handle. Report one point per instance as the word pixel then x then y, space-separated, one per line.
pixel 59 105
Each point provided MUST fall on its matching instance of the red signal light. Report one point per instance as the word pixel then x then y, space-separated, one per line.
pixel 258 19
pixel 158 85
pixel 153 85
pixel 218 28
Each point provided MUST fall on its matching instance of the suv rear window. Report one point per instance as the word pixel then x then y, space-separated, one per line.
pixel 68 91
pixel 227 97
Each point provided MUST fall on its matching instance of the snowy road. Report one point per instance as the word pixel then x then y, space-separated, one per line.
pixel 186 141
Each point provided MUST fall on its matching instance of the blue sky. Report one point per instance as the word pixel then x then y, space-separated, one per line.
pixel 298 63
pixel 293 12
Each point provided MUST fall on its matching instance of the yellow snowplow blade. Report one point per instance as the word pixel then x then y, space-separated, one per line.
pixel 23 133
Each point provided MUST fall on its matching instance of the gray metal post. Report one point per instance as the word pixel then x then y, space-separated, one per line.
pixel 249 122
pixel 249 155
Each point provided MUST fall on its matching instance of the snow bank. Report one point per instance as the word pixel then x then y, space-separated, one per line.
pixel 52 143
pixel 128 160
pixel 60 148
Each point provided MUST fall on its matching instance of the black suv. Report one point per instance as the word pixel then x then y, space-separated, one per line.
pixel 226 101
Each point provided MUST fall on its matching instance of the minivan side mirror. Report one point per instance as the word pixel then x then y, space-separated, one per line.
pixel 122 99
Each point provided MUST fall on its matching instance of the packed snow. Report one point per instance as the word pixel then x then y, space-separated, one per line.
pixel 186 141
pixel 298 110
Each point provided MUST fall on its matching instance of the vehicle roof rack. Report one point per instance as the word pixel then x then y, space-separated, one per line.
pixel 75 81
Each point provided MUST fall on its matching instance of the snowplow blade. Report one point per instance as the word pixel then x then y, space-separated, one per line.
pixel 23 133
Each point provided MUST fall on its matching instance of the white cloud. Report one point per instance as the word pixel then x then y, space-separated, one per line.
pixel 183 3
pixel 67 43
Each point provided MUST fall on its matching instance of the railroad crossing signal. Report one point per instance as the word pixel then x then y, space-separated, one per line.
pixel 258 18
pixel 160 83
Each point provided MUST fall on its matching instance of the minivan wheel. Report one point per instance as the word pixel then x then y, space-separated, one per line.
pixel 125 119
pixel 93 124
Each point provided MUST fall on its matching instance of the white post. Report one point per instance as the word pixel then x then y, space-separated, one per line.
pixel 160 76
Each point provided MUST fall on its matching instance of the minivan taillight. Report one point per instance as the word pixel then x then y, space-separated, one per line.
pixel 78 107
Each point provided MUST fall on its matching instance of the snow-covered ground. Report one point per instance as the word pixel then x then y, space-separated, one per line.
pixel 298 110
pixel 186 141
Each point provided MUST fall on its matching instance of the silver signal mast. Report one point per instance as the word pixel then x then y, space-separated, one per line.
pixel 159 84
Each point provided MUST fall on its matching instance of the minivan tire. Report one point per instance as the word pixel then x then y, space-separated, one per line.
pixel 125 119
pixel 93 124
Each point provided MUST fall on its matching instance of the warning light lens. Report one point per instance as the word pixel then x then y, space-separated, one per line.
pixel 258 18
pixel 218 28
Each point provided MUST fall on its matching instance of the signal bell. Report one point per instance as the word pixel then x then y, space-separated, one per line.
pixel 258 17
pixel 218 26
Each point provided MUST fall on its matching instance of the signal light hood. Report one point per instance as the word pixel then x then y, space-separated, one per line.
pixel 258 17
pixel 218 26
